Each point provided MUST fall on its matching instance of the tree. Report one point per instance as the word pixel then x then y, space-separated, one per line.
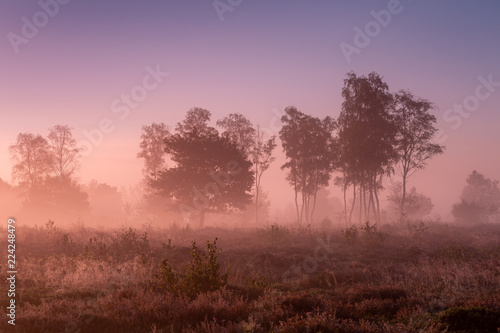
pixel 239 130
pixel 31 159
pixel 482 190
pixel 210 174
pixel 416 205
pixel 261 155
pixel 366 139
pixel 480 198
pixel 308 145
pixel 63 151
pixel 106 202
pixel 251 141
pixel 415 130
pixel 58 198
pixel 152 149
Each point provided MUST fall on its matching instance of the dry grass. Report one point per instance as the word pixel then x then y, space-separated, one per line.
pixel 281 279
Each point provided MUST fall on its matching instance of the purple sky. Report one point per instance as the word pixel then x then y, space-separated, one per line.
pixel 262 56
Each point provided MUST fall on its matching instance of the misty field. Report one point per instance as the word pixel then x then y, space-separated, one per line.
pixel 424 277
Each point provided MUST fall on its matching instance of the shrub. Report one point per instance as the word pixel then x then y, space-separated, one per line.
pixel 350 235
pixel 371 234
pixel 469 212
pixel 202 275
pixel 129 244
pixel 470 319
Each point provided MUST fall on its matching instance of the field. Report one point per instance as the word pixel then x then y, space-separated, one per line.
pixel 426 277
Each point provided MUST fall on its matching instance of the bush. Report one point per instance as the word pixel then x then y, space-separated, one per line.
pixel 202 275
pixel 371 234
pixel 350 235
pixel 128 244
pixel 470 319
pixel 469 213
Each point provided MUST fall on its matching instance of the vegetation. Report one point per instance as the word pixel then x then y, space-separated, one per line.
pixel 282 279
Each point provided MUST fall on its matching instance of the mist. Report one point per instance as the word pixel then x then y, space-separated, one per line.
pixel 246 166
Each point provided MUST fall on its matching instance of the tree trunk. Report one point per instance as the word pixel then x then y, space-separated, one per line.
pixel 202 218
pixel 376 198
pixel 403 197
pixel 361 190
pixel 345 201
pixel 256 205
pixel 353 202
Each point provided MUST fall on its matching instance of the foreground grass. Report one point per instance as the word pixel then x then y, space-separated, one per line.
pixel 281 279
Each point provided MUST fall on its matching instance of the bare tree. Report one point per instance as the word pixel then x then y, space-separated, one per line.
pixel 415 130
pixel 31 159
pixel 63 151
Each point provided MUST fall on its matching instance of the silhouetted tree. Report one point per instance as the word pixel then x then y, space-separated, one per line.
pixel 415 130
pixel 308 145
pixel 239 130
pixel 210 172
pixel 58 198
pixel 153 149
pixel 366 140
pixel 416 205
pixel 105 201
pixel 261 155
pixel 31 159
pixel 250 140
pixel 63 151
pixel 480 199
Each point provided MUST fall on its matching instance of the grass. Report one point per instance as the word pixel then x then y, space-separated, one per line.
pixel 386 278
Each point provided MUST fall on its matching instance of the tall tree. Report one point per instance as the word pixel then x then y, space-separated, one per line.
pixel 31 159
pixel 239 130
pixel 153 149
pixel 308 145
pixel 64 153
pixel 251 141
pixel 261 156
pixel 210 173
pixel 415 130
pixel 366 138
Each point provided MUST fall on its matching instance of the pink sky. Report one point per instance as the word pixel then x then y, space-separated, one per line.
pixel 262 57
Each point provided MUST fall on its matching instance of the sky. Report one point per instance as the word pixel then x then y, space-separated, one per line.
pixel 75 62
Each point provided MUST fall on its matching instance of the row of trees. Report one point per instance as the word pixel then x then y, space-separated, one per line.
pixel 375 133
pixel 211 171
pixel 203 170
pixel 44 171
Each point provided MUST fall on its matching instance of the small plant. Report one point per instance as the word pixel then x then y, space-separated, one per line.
pixel 202 275
pixel 96 248
pixel 416 231
pixel 456 251
pixel 350 235
pixel 129 244
pixel 371 234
